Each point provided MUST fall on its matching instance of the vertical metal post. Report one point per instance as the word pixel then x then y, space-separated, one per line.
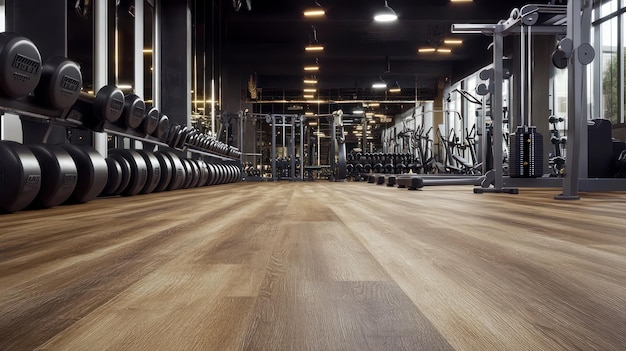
pixel 274 174
pixel 496 105
pixel 156 56
pixel 302 149
pixel 576 111
pixel 292 147
pixel 100 63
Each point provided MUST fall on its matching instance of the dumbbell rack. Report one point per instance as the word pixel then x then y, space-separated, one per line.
pixel 53 117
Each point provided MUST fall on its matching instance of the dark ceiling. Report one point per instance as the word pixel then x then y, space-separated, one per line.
pixel 269 41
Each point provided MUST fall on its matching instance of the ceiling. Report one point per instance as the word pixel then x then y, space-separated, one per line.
pixel 268 42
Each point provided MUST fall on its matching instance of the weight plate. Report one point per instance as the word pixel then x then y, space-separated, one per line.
pixel 114 180
pixel 139 171
pixel 182 136
pixel 204 172
pixel 163 128
pixel 154 171
pixel 134 111
pixel 109 104
pixel 20 176
pixel 195 173
pixel 20 65
pixel 58 175
pixel 188 173
pixel 212 174
pixel 223 176
pixel 167 168
pixel 150 121
pixel 92 172
pixel 178 172
pixel 125 174
pixel 172 135
pixel 559 59
pixel 586 53
pixel 60 83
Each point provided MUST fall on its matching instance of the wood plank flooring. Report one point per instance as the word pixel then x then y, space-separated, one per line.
pixel 317 266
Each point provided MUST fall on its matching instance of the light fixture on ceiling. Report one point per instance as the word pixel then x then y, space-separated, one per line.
pixel 312 68
pixel 309 90
pixel 379 84
pixel 385 14
pixel 311 80
pixel 395 88
pixel 314 45
pixel 444 51
pixel 316 11
pixel 426 50
pixel 453 41
pixel 461 0
pixel 308 96
pixel 358 111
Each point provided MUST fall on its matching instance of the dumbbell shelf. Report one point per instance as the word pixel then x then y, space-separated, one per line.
pixel 27 107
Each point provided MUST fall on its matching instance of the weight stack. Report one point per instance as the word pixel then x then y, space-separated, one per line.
pixel 526 153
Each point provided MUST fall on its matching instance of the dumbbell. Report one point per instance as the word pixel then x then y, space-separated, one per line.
pixel 167 171
pixel 154 171
pixel 119 175
pixel 138 171
pixel 349 168
pixel 20 64
pixel 92 169
pixel 189 174
pixel 204 172
pixel 60 83
pixel 150 121
pixel 163 127
pixel 134 112
pixel 93 111
pixel 177 171
pixel 20 176
pixel 172 136
pixel 59 175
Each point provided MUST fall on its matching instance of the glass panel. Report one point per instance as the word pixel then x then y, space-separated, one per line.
pixel 608 7
pixel 125 46
pixel 147 50
pixel 609 68
pixel 80 40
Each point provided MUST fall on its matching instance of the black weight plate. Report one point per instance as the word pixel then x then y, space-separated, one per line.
pixel 139 171
pixel 180 139
pixel 162 130
pixel 58 175
pixel 167 168
pixel 229 174
pixel 109 104
pixel 150 121
pixel 60 83
pixel 92 172
pixel 114 182
pixel 172 135
pixel 195 173
pixel 20 176
pixel 154 171
pixel 188 173
pixel 134 111
pixel 20 65
pixel 125 174
pixel 222 174
pixel 178 172
pixel 204 172
pixel 234 172
pixel 212 174
pixel 237 173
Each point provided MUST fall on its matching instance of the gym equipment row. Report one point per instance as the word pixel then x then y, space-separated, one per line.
pixel 359 163
pixel 52 90
pixel 44 175
pixel 133 172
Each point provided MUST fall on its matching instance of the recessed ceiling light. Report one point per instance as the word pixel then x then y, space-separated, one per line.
pixel 444 51
pixel 426 50
pixel 453 41
pixel 314 48
pixel 461 0
pixel 310 81
pixel 311 68
pixel 308 96
pixel 314 13
pixel 309 90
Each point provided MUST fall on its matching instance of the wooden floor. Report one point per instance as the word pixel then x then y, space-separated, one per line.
pixel 317 266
